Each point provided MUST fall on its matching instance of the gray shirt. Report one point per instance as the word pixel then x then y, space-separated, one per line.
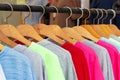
pixel 64 58
pixel 104 59
pixel 36 60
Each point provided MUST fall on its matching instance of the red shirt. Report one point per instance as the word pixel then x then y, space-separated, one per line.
pixel 92 61
pixel 79 61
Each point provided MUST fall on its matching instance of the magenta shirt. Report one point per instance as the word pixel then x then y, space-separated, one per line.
pixel 92 61
pixel 113 52
pixel 119 66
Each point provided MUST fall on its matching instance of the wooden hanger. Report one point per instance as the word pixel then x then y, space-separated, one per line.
pixel 1 47
pixel 87 26
pixel 100 31
pixel 105 27
pixel 84 33
pixel 56 30
pixel 91 30
pixel 60 33
pixel 6 40
pixel 11 31
pixel 46 32
pixel 28 30
pixel 100 28
pixel 73 34
pixel 113 27
pixel 43 30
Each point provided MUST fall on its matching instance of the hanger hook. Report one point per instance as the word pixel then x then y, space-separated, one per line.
pixel 96 15
pixel 6 20
pixel 69 16
pixel 42 13
pixel 106 13
pixel 28 13
pixel 101 16
pixel 88 15
pixel 114 15
pixel 57 11
pixel 78 20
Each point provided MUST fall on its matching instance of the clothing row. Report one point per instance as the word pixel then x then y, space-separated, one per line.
pixel 46 60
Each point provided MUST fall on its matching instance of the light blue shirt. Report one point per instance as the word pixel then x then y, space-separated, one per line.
pixel 15 65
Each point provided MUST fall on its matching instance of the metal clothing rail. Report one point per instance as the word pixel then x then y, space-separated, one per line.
pixel 24 8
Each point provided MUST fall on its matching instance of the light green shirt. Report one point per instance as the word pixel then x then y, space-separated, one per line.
pixel 115 41
pixel 51 60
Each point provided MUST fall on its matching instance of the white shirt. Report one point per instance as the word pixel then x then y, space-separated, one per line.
pixel 2 76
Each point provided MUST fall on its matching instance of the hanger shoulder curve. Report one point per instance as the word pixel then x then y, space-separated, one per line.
pixel 107 28
pixel 115 29
pixel 11 31
pixel 29 31
pixel 99 30
pixel 43 30
pixel 91 30
pixel 83 32
pixel 60 33
pixel 6 40
pixel 73 34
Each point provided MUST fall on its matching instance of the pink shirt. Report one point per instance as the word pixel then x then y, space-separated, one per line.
pixel 113 52
pixel 119 66
pixel 92 61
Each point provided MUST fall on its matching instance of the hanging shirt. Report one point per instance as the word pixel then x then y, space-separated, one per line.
pixel 36 60
pixel 115 38
pixel 15 65
pixel 79 61
pixel 104 59
pixel 64 58
pixel 113 42
pixel 113 53
pixel 2 76
pixel 92 60
pixel 52 63
pixel 35 16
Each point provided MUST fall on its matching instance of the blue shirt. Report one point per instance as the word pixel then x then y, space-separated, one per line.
pixel 15 65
